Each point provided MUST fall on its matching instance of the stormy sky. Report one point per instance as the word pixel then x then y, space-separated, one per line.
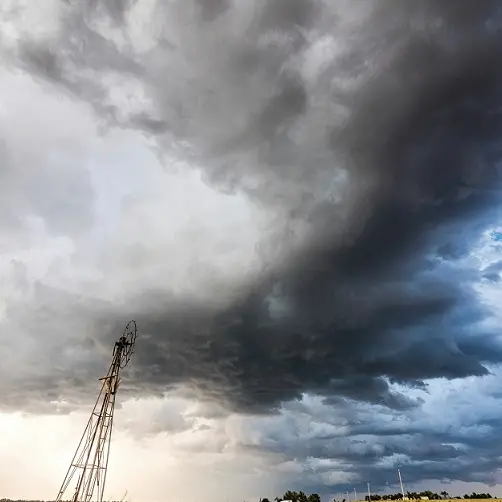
pixel 296 200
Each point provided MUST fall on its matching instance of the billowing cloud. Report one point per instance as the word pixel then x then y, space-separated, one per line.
pixel 371 161
pixel 351 151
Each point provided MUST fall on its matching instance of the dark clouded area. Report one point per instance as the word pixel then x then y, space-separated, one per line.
pixel 386 156
pixel 371 130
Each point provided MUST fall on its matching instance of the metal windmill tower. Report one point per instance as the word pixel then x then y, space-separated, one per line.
pixel 87 471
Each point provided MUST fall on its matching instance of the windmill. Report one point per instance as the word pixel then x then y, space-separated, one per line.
pixel 86 475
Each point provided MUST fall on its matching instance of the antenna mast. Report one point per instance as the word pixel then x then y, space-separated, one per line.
pixel 400 482
pixel 89 465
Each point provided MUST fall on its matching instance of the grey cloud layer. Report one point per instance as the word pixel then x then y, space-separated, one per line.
pixel 371 129
pixel 362 443
pixel 403 113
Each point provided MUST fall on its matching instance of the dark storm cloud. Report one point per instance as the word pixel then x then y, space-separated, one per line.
pixel 403 332
pixel 366 295
pixel 407 112
pixel 52 366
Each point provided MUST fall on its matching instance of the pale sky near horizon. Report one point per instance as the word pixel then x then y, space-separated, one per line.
pixel 297 202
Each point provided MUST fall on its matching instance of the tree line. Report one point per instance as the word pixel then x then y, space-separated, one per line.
pixel 427 494
pixel 299 496
pixel 293 496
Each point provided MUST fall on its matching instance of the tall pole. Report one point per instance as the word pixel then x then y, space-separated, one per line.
pixel 89 465
pixel 355 494
pixel 369 493
pixel 348 498
pixel 400 482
